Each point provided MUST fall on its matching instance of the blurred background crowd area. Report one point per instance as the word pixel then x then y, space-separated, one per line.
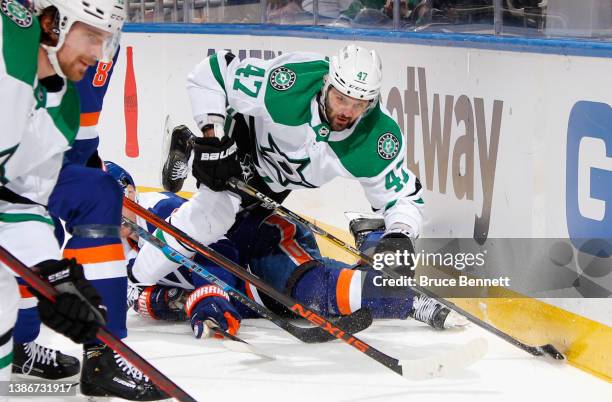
pixel 538 18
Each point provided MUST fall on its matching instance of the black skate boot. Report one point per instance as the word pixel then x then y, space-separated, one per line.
pixel 175 168
pixel 436 315
pixel 361 225
pixel 34 360
pixel 105 373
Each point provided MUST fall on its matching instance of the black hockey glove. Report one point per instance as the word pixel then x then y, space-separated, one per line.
pixel 77 312
pixel 399 245
pixel 215 161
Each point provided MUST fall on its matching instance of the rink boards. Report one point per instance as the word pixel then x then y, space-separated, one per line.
pixel 510 140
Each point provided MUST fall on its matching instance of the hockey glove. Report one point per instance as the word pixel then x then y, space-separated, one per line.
pixel 399 244
pixel 211 303
pixel 77 312
pixel 215 161
pixel 162 303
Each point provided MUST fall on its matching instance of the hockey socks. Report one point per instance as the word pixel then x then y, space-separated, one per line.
pixel 334 290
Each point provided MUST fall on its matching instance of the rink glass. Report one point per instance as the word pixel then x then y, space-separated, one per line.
pixel 531 18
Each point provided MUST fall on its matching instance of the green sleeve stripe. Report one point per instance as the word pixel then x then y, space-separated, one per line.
pixel 14 218
pixel 214 66
pixel 6 360
pixel 160 235
pixel 67 116
pixel 390 205
pixel 20 49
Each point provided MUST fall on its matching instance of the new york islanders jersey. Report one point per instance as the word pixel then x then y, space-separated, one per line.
pixel 92 89
pixel 295 148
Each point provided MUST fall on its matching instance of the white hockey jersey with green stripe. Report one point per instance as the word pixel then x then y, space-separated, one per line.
pixel 294 147
pixel 37 127
pixel 18 66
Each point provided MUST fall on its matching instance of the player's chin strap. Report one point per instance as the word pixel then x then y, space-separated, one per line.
pixel 52 56
pixel 323 98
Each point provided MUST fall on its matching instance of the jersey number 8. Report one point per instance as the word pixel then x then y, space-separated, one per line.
pixel 101 74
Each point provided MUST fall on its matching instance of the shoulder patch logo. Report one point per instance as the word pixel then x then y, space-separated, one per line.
pixel 388 146
pixel 282 78
pixel 16 12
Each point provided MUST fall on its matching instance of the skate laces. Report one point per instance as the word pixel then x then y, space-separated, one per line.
pixel 133 294
pixel 424 308
pixel 38 353
pixel 179 170
pixel 129 369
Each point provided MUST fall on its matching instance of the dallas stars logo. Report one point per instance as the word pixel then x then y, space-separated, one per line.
pixel 287 170
pixel 16 12
pixel 4 158
pixel 388 146
pixel 281 78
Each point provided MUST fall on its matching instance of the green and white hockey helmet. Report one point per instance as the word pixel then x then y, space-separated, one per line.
pixel 356 72
pixel 106 15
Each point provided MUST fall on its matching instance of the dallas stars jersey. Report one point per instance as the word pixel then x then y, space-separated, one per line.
pixel 294 147
pixel 38 127
pixel 18 66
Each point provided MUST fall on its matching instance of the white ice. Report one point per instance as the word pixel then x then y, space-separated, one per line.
pixel 337 372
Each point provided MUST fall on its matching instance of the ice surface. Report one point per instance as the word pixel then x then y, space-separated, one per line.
pixel 337 372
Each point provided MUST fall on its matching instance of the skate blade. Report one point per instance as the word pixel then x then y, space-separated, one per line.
pixel 444 363
pixel 166 139
pixel 29 378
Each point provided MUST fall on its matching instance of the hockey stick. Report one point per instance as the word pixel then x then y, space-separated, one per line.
pixel 235 343
pixel 48 291
pixel 268 203
pixel 358 321
pixel 424 368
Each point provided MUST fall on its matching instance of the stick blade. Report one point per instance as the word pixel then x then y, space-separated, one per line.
pixel 352 323
pixel 550 351
pixel 445 363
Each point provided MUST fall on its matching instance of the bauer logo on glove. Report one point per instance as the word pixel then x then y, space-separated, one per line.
pixel 213 156
pixel 215 161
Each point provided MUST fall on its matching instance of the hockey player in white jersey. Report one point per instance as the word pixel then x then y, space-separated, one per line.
pixel 42 55
pixel 296 121
pixel 39 121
